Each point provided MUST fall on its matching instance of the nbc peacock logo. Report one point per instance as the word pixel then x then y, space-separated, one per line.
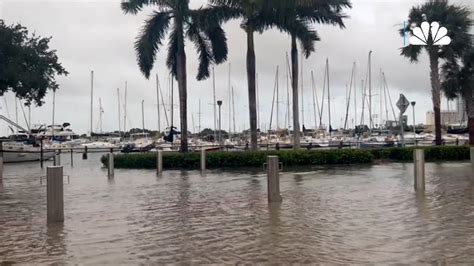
pixel 420 35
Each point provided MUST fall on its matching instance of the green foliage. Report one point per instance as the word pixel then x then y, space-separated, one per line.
pixel 446 153
pixel 27 65
pixel 174 160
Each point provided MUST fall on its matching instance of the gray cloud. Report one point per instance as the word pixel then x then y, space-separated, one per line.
pixel 96 35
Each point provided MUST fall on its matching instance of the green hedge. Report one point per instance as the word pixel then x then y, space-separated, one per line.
pixel 445 153
pixel 173 160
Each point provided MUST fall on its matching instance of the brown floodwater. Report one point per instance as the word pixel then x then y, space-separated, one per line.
pixel 359 214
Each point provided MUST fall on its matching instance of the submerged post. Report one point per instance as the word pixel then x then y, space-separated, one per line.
pixel 273 179
pixel 159 162
pixel 72 158
pixel 419 167
pixel 57 158
pixel 472 160
pixel 54 194
pixel 84 155
pixel 1 161
pixel 41 153
pixel 203 160
pixel 110 168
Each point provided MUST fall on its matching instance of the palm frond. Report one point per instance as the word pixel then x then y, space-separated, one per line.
pixel 134 6
pixel 203 48
pixel 412 52
pixel 150 39
pixel 172 60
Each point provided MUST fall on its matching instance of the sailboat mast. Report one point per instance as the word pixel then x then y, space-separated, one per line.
pixel 54 110
pixel 302 90
pixel 233 108
pixel 329 96
pixel 199 117
pixel 125 111
pixel 16 111
pixel 277 100
pixel 119 115
pixel 287 124
pixel 172 100
pixel 314 99
pixel 158 102
pixel 355 95
pixel 143 116
pixel 370 91
pixel 214 102
pixel 92 102
pixel 258 101
pixel 381 101
pixel 229 96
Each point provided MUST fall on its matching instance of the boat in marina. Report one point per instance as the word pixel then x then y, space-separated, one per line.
pixel 139 142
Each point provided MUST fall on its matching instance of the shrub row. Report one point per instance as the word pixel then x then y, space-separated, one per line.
pixel 174 160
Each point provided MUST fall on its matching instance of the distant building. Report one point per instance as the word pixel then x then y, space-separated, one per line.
pixel 449 117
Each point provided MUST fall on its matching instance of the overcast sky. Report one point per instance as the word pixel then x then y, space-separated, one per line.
pixel 96 35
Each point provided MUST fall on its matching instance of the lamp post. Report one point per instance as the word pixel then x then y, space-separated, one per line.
pixel 219 103
pixel 414 130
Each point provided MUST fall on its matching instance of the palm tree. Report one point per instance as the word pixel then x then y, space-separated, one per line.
pixel 307 11
pixel 201 26
pixel 258 16
pixel 459 81
pixel 456 20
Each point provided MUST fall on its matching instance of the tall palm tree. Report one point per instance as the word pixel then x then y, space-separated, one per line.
pixel 307 11
pixel 258 16
pixel 200 26
pixel 459 81
pixel 456 20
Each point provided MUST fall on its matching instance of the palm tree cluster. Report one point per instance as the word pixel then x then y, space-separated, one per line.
pixel 456 19
pixel 203 27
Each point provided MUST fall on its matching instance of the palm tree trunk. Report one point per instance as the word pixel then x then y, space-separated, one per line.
pixel 251 89
pixel 436 92
pixel 469 100
pixel 294 84
pixel 182 87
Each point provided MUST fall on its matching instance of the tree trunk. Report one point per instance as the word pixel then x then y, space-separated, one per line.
pixel 182 87
pixel 436 92
pixel 251 89
pixel 468 96
pixel 294 85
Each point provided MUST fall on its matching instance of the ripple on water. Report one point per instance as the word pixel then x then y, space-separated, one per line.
pixel 366 214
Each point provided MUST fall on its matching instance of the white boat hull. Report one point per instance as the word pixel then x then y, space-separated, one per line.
pixel 17 152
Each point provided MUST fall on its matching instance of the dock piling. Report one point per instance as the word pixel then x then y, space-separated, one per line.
pixel 84 155
pixel 54 194
pixel 72 159
pixel 1 161
pixel 273 179
pixel 57 158
pixel 110 167
pixel 419 169
pixel 203 160
pixel 472 160
pixel 159 162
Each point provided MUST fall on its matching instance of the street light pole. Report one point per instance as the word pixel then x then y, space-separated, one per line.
pixel 219 103
pixel 414 130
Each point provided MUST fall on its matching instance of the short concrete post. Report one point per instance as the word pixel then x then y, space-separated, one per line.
pixel 203 160
pixel 419 169
pixel 273 179
pixel 84 155
pixel 159 162
pixel 57 159
pixel 110 168
pixel 1 168
pixel 54 194
pixel 472 160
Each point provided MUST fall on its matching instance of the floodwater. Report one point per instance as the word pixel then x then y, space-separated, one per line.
pixel 363 214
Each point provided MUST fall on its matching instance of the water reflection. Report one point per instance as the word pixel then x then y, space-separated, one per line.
pixel 336 215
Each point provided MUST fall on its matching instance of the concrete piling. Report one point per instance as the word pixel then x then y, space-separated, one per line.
pixel 203 160
pixel 54 194
pixel 72 158
pixel 57 158
pixel 110 167
pixel 273 179
pixel 84 155
pixel 159 162
pixel 419 169
pixel 472 161
pixel 1 161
